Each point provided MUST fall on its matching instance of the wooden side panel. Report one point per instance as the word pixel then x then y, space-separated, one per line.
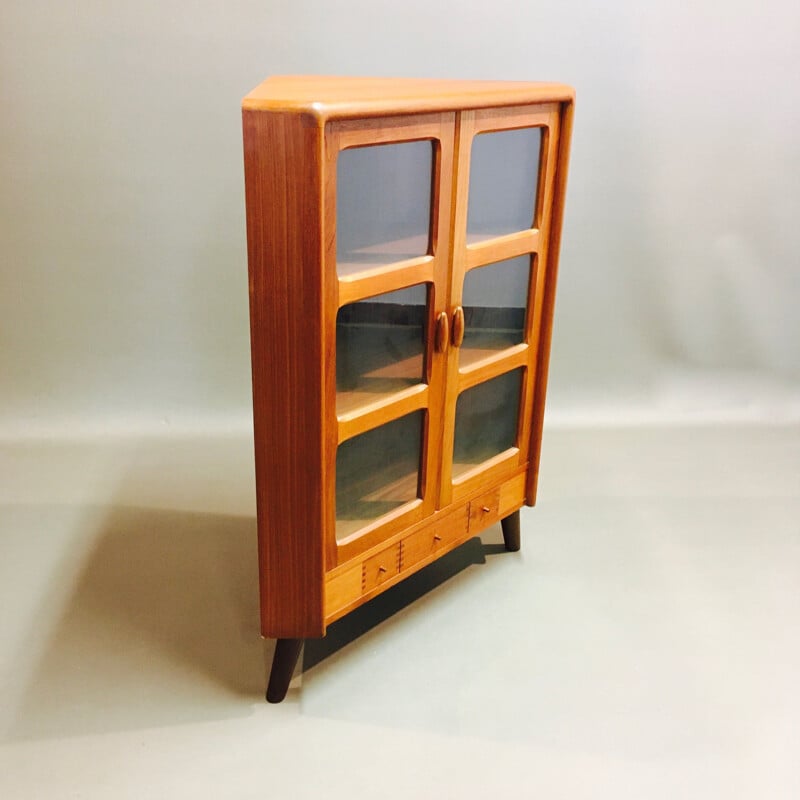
pixel 283 177
pixel 548 302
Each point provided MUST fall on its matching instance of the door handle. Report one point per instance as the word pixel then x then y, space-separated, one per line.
pixel 458 326
pixel 442 332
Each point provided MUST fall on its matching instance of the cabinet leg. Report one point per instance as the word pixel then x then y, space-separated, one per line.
pixel 510 525
pixel 287 652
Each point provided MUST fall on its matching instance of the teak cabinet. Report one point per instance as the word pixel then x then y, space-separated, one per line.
pixel 403 242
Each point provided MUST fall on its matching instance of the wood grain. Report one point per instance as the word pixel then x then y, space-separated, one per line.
pixel 432 268
pixel 294 129
pixel 548 292
pixel 431 540
pixel 385 278
pixel 469 478
pixel 493 365
pixel 346 588
pixel 468 372
pixel 382 409
pixel 343 589
pixel 282 160
pixel 485 509
pixel 380 567
pixel 330 97
pixel 458 230
pixel 500 248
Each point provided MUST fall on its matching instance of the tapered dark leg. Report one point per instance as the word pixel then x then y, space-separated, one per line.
pixel 510 527
pixel 283 664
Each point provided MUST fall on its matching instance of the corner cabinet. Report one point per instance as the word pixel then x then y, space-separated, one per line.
pixel 403 241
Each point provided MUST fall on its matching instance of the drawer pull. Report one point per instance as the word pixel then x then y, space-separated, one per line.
pixel 442 332
pixel 485 509
pixel 458 326
pixel 436 537
pixel 381 568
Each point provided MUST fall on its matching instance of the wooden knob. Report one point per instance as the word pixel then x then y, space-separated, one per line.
pixel 458 326
pixel 442 332
pixel 485 509
pixel 381 569
pixel 437 538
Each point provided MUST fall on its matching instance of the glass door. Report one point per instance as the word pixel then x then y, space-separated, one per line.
pixel 505 172
pixel 387 214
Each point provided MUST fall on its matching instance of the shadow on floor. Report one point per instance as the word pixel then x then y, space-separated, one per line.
pixel 160 628
pixel 384 606
pixel 161 625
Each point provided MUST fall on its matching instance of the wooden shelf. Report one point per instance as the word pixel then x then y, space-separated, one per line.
pixel 352 402
pixel 355 512
pixel 486 344
pixel 381 254
pixel 376 361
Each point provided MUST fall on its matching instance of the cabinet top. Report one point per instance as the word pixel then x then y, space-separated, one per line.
pixel 328 97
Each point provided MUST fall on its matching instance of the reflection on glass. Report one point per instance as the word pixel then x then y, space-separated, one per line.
pixel 380 346
pixel 503 182
pixel 495 301
pixel 383 204
pixel 486 420
pixel 377 471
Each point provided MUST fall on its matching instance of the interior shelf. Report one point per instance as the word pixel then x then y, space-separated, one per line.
pixel 378 471
pixel 380 348
pixel 356 511
pixel 380 254
pixel 484 344
pixel 486 420
pixel 377 389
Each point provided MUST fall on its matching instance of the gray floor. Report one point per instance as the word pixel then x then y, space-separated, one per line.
pixel 645 642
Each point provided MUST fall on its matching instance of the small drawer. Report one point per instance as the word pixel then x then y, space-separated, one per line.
pixel 342 590
pixel 434 538
pixel 381 567
pixel 484 510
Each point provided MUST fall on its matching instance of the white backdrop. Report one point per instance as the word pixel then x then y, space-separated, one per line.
pixel 123 291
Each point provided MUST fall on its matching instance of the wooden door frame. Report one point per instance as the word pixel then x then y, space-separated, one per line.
pixel 471 256
pixel 432 268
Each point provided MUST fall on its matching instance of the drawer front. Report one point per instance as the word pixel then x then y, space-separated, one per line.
pixel 484 510
pixel 512 495
pixel 381 567
pixel 343 589
pixel 361 579
pixel 435 538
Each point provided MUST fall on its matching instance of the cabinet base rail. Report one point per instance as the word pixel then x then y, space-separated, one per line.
pixel 287 651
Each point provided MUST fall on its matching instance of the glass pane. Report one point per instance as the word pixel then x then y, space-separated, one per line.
pixel 383 204
pixel 377 471
pixel 486 420
pixel 380 346
pixel 503 181
pixel 495 301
